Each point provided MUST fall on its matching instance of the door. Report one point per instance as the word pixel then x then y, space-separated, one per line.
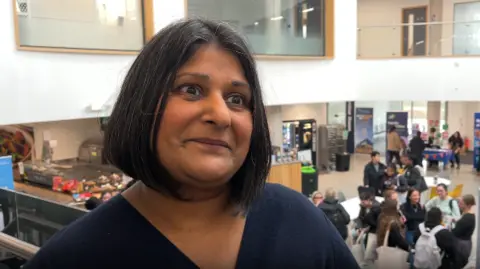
pixel 414 37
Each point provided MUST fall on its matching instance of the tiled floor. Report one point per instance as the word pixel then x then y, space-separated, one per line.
pixel 347 182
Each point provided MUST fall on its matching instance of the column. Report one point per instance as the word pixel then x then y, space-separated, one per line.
pixel 273 28
pixel 435 10
pixel 345 31
pixel 434 113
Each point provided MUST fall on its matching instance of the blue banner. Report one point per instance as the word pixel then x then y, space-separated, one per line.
pixel 476 139
pixel 363 130
pixel 6 172
pixel 400 121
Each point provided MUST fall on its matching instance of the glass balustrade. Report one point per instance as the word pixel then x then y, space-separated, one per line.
pixel 31 219
pixel 432 39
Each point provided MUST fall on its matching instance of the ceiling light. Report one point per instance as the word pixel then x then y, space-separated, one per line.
pixel 307 10
pixel 276 18
pixel 255 23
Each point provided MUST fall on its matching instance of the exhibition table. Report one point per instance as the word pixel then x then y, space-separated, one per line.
pixel 288 174
pixel 441 155
pixel 352 206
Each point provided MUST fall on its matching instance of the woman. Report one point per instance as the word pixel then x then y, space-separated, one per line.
pixel 414 213
pixel 389 220
pixel 456 144
pixel 444 238
pixel 190 125
pixel 394 145
pixel 392 181
pixel 445 203
pixel 317 198
pixel 335 212
pixel 465 226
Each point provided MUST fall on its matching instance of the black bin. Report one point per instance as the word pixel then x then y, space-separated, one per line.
pixel 342 162
pixel 309 181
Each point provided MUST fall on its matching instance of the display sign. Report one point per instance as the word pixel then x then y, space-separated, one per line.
pixel 476 139
pixel 6 172
pixel 400 121
pixel 363 130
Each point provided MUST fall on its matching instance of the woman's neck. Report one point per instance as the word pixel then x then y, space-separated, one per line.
pixel 177 214
pixel 468 210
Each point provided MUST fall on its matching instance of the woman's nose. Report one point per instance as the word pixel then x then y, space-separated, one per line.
pixel 216 111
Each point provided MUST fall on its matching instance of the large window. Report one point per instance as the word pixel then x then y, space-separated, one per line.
pixel 102 26
pixel 466 30
pixel 275 27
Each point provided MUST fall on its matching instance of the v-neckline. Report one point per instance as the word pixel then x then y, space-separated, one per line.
pixel 242 251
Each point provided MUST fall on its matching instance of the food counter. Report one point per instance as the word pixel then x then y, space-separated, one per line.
pixel 288 174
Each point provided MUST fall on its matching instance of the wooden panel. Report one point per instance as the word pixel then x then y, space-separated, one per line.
pixel 288 175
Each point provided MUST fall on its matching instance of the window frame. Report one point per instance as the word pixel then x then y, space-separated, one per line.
pixel 329 28
pixel 148 33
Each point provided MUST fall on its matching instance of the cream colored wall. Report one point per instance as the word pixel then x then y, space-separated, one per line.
pixel 68 134
pixel 461 118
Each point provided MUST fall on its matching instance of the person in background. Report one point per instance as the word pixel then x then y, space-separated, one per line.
pixel 389 220
pixel 335 212
pixel 414 213
pixel 445 239
pixel 106 196
pixel 417 146
pixel 317 198
pixel 92 203
pixel 456 144
pixel 394 145
pixel 465 226
pixel 373 173
pixel 367 219
pixel 445 203
pixel 392 181
pixel 412 175
pixel 434 144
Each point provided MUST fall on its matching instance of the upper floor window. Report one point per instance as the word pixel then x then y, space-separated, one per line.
pixel 96 26
pixel 275 27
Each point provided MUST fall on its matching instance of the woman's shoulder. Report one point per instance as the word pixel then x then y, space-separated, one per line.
pixel 89 236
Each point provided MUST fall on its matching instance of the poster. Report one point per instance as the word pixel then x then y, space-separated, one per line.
pixel 363 130
pixel 476 139
pixel 399 120
pixel 6 172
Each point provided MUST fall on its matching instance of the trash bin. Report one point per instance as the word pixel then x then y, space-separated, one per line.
pixel 342 162
pixel 309 180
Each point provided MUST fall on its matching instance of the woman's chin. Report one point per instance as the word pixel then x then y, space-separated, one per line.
pixel 210 174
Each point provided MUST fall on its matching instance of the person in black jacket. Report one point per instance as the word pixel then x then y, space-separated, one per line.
pixel 445 239
pixel 456 144
pixel 335 212
pixel 417 146
pixel 414 213
pixel 373 173
pixel 412 175
pixel 465 226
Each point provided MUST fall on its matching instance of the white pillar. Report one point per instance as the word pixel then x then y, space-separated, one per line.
pixel 274 21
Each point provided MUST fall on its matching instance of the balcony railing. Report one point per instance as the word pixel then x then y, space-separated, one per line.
pixel 431 39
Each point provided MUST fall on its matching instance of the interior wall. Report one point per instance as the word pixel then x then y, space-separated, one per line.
pixel 69 136
pixel 460 118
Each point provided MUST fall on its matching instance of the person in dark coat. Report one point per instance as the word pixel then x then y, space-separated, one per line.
pixel 413 175
pixel 456 144
pixel 335 212
pixel 417 146
pixel 373 173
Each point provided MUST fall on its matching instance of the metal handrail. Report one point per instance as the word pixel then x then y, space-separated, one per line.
pixel 17 247
pixel 419 23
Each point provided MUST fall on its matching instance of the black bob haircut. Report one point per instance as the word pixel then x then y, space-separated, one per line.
pixel 130 136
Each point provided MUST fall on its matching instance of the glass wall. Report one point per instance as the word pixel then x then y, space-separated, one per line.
pixel 272 27
pixel 80 24
pixel 466 32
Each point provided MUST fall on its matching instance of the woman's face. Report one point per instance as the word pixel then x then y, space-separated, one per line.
pixel 415 197
pixel 461 204
pixel 205 131
pixel 317 199
pixel 394 196
pixel 106 196
pixel 390 171
pixel 441 192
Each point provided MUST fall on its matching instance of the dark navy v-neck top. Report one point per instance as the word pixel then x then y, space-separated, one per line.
pixel 283 230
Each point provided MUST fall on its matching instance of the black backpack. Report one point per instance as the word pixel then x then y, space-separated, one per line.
pixel 337 220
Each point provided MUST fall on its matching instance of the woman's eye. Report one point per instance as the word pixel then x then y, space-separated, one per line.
pixel 191 90
pixel 236 100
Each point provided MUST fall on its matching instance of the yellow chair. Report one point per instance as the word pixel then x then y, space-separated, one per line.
pixel 433 192
pixel 457 192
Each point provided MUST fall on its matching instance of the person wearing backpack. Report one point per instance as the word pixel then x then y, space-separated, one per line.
pixel 448 205
pixel 434 244
pixel 335 212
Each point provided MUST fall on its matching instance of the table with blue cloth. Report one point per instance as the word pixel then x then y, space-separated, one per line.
pixel 441 155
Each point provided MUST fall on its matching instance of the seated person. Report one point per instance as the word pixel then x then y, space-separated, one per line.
pixel 335 212
pixel 445 239
pixel 445 203
pixel 373 173
pixel 412 175
pixel 367 219
pixel 389 220
pixel 391 181
pixel 317 198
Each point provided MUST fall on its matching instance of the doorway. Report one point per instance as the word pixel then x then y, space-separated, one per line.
pixel 414 37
